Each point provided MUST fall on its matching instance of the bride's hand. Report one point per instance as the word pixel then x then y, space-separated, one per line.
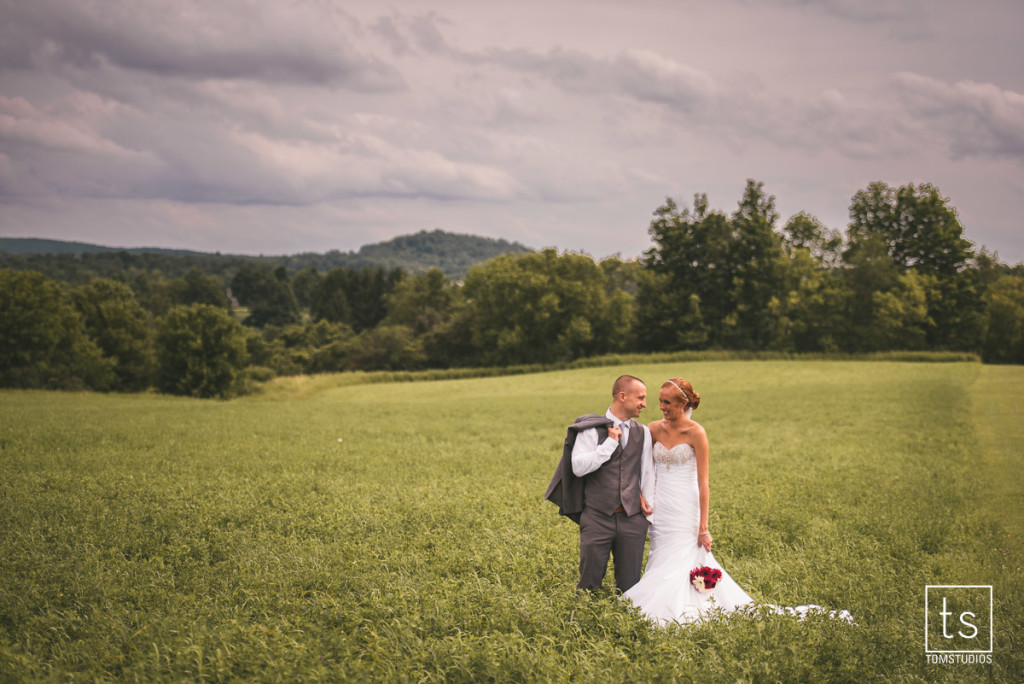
pixel 645 506
pixel 704 540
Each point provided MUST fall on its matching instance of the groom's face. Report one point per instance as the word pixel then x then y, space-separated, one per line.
pixel 635 400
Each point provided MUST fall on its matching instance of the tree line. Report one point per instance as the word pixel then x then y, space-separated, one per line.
pixel 79 263
pixel 902 277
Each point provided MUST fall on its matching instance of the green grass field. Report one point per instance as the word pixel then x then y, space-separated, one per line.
pixel 398 532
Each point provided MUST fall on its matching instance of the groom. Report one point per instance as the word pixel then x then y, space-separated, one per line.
pixel 597 484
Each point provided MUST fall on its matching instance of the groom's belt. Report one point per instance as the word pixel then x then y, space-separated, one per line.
pixel 620 509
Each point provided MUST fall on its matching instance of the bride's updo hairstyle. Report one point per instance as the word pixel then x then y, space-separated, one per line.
pixel 684 390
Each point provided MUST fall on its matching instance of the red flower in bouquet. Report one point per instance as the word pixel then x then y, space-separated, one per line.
pixel 704 578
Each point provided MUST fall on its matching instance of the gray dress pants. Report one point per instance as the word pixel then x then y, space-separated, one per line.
pixel 618 534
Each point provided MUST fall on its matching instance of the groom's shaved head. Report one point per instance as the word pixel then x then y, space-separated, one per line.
pixel 629 397
pixel 623 384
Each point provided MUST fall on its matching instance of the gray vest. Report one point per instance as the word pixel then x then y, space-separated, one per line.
pixel 617 482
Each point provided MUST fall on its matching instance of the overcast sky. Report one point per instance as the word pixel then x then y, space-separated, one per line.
pixel 280 126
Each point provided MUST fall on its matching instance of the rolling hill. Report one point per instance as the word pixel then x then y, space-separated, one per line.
pixel 453 253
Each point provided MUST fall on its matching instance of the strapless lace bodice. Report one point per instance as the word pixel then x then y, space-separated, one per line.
pixel 670 456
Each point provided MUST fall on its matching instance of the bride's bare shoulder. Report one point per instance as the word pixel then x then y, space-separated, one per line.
pixel 698 432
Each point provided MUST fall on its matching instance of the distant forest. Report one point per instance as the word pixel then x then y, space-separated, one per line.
pixel 902 277
pixel 79 262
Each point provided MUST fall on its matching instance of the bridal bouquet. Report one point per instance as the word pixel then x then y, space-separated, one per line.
pixel 704 578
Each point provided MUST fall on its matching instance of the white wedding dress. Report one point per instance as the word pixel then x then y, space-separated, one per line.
pixel 664 593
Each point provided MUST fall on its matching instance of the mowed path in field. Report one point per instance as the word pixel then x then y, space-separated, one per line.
pixel 997 409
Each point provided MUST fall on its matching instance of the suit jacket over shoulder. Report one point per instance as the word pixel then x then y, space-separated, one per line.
pixel 566 490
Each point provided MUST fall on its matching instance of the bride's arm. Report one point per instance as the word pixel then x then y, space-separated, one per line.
pixel 700 446
pixel 647 476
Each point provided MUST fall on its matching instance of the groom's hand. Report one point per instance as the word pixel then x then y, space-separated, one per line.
pixel 615 433
pixel 645 507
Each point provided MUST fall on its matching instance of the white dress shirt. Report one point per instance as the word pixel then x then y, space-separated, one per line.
pixel 588 455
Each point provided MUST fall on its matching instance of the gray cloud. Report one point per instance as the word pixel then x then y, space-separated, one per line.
pixel 973 119
pixel 903 19
pixel 166 153
pixel 187 110
pixel 741 110
pixel 412 33
pixel 868 11
pixel 233 39
pixel 638 73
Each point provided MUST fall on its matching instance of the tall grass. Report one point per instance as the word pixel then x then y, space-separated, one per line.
pixel 398 532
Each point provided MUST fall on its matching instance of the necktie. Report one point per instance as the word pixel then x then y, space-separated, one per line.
pixel 625 433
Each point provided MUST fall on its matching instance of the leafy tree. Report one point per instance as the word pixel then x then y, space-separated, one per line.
pixel 451 344
pixel 870 269
pixel 901 314
pixel 151 292
pixel 201 351
pixel 265 352
pixel 203 289
pixel 248 281
pixel 368 291
pixel 811 303
pixel 1004 321
pixel 159 295
pixel 431 305
pixel 733 266
pixel 806 232
pixel 423 302
pixel 330 300
pixel 387 347
pixel 328 347
pixel 314 347
pixel 667 320
pixel 305 285
pixel 121 329
pixel 756 257
pixel 921 232
pixel 623 276
pixel 539 307
pixel 692 256
pixel 919 228
pixel 987 268
pixel 43 342
pixel 622 310
pixel 355 297
pixel 812 311
pixel 268 295
pixel 956 309
pixel 622 283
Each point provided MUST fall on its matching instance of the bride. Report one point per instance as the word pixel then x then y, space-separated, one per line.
pixel 680 540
